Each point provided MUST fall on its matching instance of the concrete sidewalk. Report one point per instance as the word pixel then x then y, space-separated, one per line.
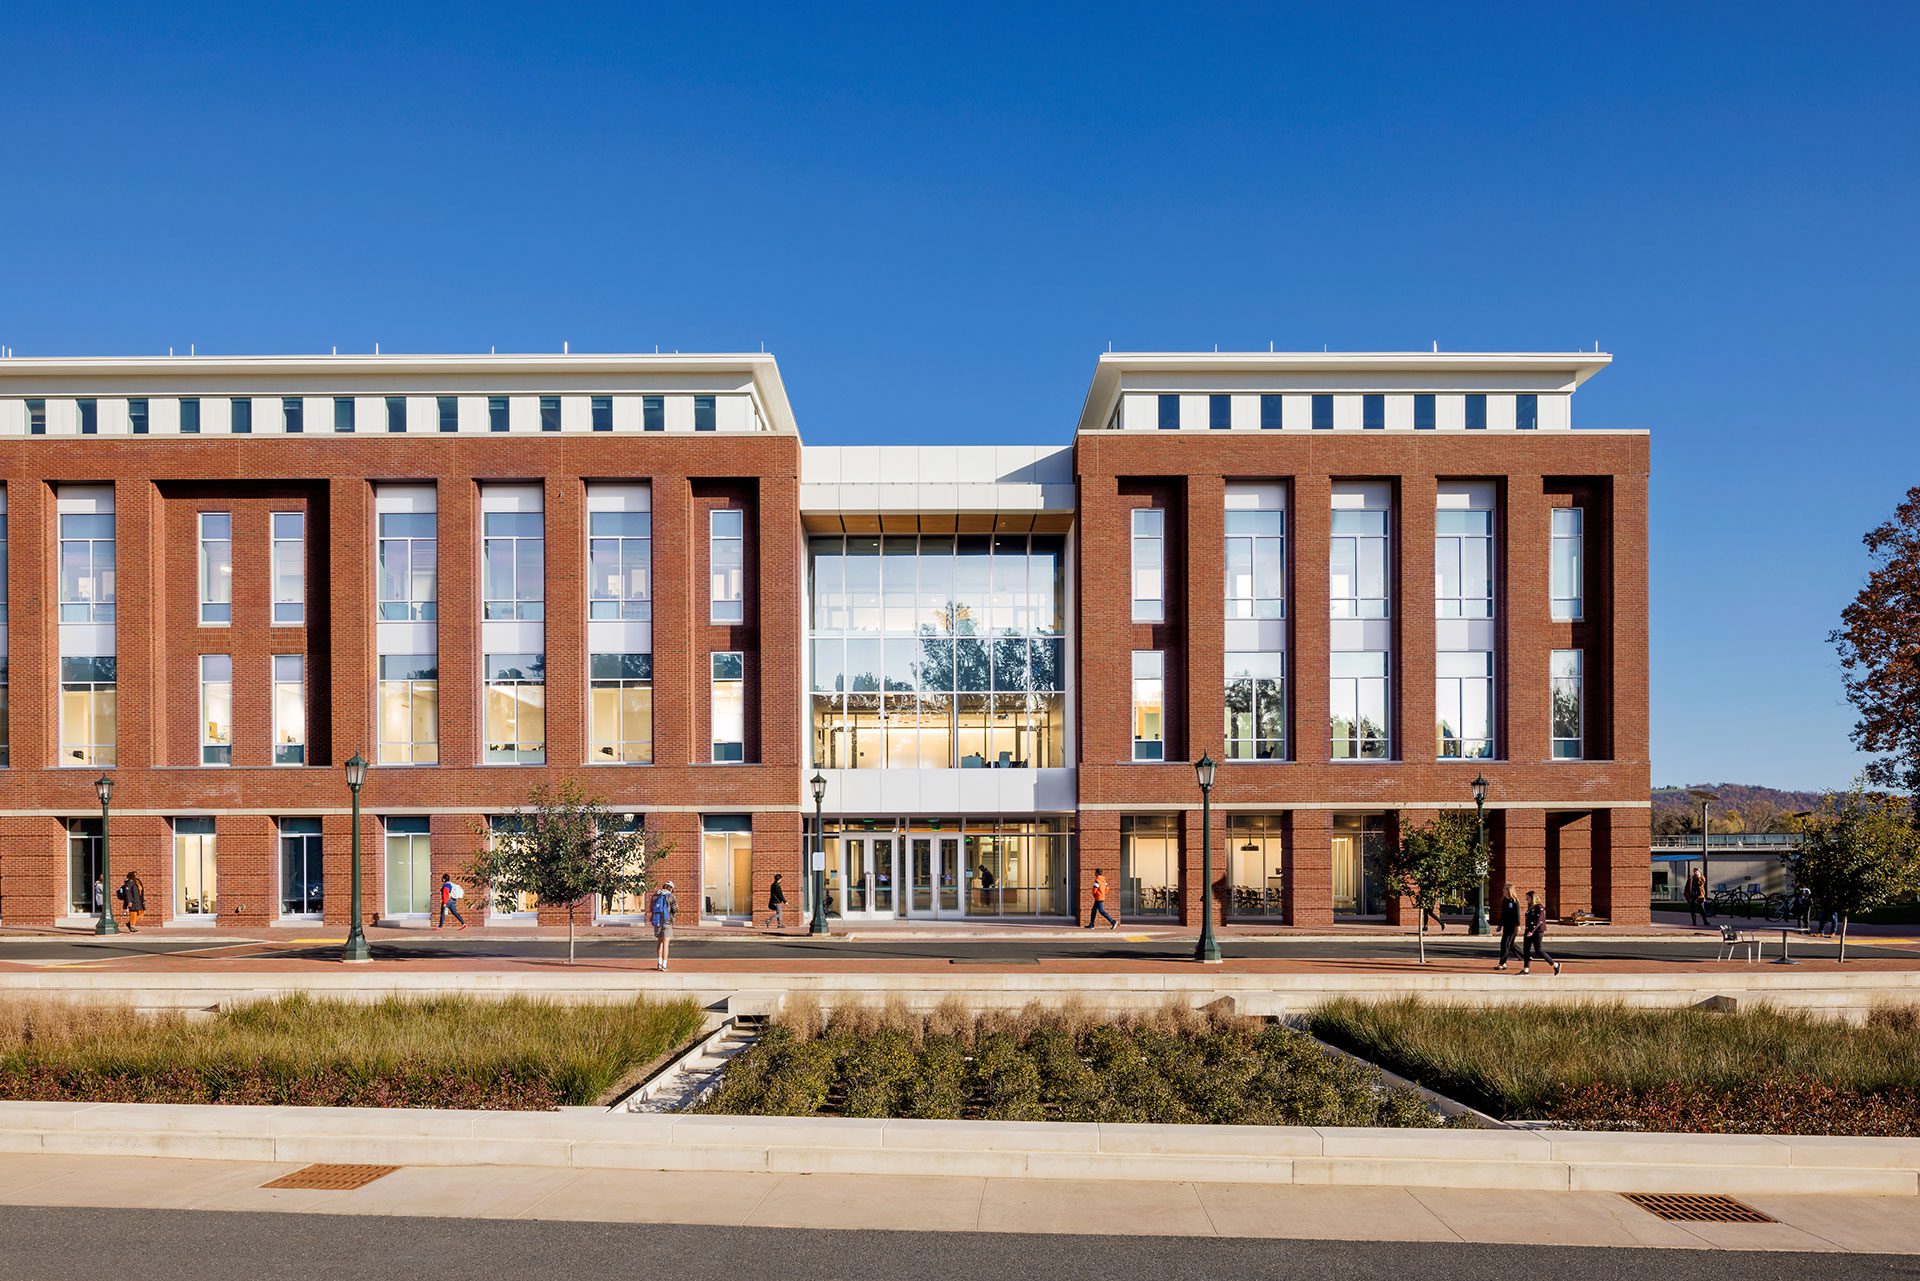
pixel 869 1202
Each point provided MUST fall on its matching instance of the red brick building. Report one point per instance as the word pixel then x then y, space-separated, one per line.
pixel 225 576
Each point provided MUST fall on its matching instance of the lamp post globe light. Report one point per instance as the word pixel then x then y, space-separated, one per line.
pixel 1208 951
pixel 103 788
pixel 356 946
pixel 819 870
pixel 1479 925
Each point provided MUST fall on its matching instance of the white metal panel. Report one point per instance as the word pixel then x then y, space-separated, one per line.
pixel 512 636
pixel 13 417
pixel 1362 495
pixel 1296 413
pixel 1556 413
pixel 404 498
pixel 267 419
pixel 87 640
pixel 1359 635
pixel 423 414
pixel 1450 413
pixel 732 413
pixel 633 496
pixel 576 413
pixel 1346 413
pixel 523 413
pixel 511 498
pixel 84 500
pixel 369 413
pixel 1465 495
pixel 619 636
pixel 1399 413
pixel 63 417
pixel 1246 413
pixel 1137 411
pixel 1193 412
pixel 1501 413
pixel 115 420
pixel 679 411
pixel 472 414
pixel 626 413
pixel 1256 495
pixel 406 638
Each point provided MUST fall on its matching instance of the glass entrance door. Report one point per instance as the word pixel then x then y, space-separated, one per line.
pixel 933 876
pixel 1346 873
pixel 860 879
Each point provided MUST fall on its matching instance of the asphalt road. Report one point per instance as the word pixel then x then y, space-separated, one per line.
pixel 49 1244
pixel 1096 945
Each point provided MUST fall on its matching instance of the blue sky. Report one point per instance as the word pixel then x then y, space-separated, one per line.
pixel 937 217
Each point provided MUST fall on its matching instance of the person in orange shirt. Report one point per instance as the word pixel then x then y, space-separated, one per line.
pixel 1100 901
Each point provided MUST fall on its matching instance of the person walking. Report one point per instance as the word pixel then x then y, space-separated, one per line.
pixel 450 896
pixel 133 897
pixel 660 916
pixel 777 904
pixel 1535 943
pixel 1509 927
pixel 1696 898
pixel 1099 908
pixel 1803 908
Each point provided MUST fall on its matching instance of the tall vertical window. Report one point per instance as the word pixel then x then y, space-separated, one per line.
pixel 196 868
pixel 289 530
pixel 409 709
pixel 1149 865
pixel 497 419
pixel 726 555
pixel 1477 412
pixel 447 410
pixel 1256 707
pixel 409 565
pixel 602 411
pixel 1526 412
pixel 1169 410
pixel 620 709
pixel 5 736
pixel 396 413
pixel 1323 412
pixel 1149 565
pixel 89 416
pixel 1360 640
pixel 1423 412
pixel 1567 674
pixel 86 567
pixel 516 716
pixel 704 418
pixel 36 417
pixel 216 567
pixel 240 418
pixel 1149 705
pixel 409 867
pixel 1270 419
pixel 86 895
pixel 88 711
pixel 1464 596
pixel 1463 563
pixel 137 417
pixel 1373 412
pixel 216 709
pixel 728 715
pixel 1463 702
pixel 726 865
pixel 293 415
pixel 289 709
pixel 620 556
pixel 190 416
pixel 653 413
pixel 1256 610
pixel 302 868
pixel 549 413
pixel 1219 413
pixel 515 557
pixel 1566 568
pixel 343 413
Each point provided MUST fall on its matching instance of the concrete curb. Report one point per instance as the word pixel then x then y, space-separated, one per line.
pixel 1509 1159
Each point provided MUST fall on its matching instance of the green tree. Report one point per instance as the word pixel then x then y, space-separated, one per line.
pixel 1879 644
pixel 1436 862
pixel 1859 851
pixel 566 847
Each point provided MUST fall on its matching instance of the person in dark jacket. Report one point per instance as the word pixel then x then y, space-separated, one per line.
pixel 1536 936
pixel 1509 926
pixel 1697 898
pixel 777 904
pixel 133 897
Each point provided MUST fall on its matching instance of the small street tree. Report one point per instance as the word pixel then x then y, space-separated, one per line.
pixel 1437 862
pixel 1879 644
pixel 1859 851
pixel 567 848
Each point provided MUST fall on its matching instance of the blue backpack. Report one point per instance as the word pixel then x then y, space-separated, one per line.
pixel 662 912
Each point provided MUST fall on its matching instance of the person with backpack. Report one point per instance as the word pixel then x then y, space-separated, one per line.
pixel 777 904
pixel 660 916
pixel 1536 936
pixel 133 897
pixel 450 896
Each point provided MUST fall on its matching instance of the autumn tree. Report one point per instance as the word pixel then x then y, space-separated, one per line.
pixel 1436 862
pixel 566 848
pixel 1859 851
pixel 1879 644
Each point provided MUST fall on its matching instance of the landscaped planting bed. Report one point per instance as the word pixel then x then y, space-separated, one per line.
pixel 1613 1067
pixel 438 1052
pixel 1053 1063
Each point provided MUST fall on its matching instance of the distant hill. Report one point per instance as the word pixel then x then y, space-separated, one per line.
pixel 1742 807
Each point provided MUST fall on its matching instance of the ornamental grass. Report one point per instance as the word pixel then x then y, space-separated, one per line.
pixel 1612 1066
pixel 1053 1063
pixel 442 1051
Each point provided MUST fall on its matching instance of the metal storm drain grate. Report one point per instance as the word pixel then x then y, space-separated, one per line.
pixel 1683 1207
pixel 332 1178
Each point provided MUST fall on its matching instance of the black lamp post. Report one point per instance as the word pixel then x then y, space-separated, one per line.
pixel 1208 952
pixel 1479 925
pixel 819 784
pixel 103 788
pixel 356 946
